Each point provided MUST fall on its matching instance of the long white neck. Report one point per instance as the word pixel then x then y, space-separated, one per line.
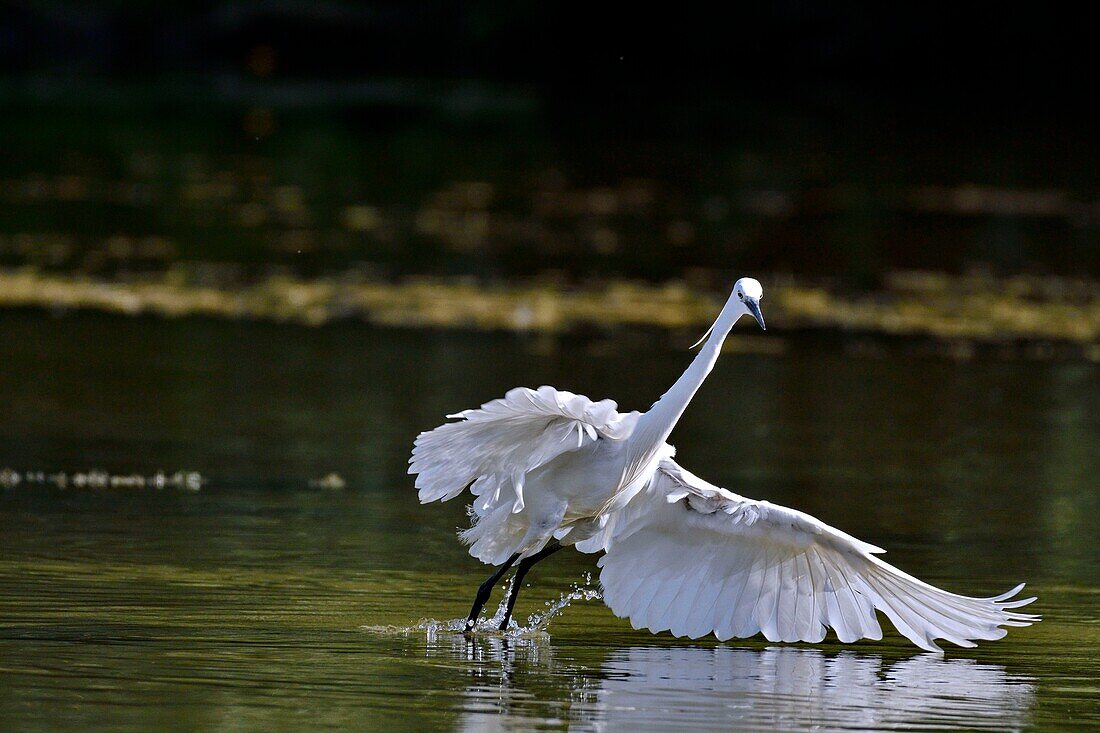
pixel 655 425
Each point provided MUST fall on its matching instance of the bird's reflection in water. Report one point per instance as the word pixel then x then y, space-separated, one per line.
pixel 518 684
pixel 789 687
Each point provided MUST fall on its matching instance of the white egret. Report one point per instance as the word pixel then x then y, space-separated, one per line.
pixel 549 468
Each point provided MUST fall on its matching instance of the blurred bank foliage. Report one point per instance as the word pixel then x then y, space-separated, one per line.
pixel 159 158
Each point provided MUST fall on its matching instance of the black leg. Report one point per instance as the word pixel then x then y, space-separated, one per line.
pixel 521 570
pixel 485 590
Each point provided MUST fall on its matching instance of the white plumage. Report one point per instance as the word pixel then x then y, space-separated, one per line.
pixel 681 555
pixel 497 445
pixel 501 447
pixel 705 560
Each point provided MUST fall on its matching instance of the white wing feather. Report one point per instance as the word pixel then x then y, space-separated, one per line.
pixel 492 448
pixel 696 559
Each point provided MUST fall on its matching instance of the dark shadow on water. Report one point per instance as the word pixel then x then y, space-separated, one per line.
pixel 775 688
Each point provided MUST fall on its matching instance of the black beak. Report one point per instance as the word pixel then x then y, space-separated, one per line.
pixel 754 307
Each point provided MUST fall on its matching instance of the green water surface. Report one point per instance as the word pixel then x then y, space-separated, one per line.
pixel 242 606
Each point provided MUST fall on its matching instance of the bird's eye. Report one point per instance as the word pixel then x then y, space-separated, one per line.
pixel 741 296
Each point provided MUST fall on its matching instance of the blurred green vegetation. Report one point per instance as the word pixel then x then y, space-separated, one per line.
pixel 961 316
pixel 316 191
pixel 410 211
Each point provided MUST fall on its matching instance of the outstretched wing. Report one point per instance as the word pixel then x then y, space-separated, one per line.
pixel 491 449
pixel 705 560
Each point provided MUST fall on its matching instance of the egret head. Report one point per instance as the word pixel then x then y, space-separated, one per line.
pixel 744 300
pixel 748 292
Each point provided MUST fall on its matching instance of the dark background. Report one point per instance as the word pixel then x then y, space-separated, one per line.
pixel 976 59
pixel 841 140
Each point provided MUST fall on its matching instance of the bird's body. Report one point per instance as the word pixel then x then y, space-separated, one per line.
pixel 572 470
pixel 549 468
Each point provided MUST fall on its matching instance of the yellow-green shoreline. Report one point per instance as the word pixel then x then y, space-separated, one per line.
pixel 968 308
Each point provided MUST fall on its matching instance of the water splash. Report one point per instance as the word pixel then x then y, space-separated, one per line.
pixel 540 620
pixel 537 625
